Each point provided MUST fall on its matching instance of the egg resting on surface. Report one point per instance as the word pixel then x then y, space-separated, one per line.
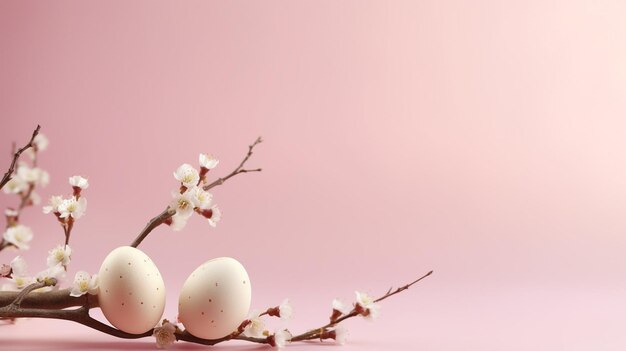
pixel 215 298
pixel 131 290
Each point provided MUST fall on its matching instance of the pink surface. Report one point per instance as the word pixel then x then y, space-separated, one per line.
pixel 482 139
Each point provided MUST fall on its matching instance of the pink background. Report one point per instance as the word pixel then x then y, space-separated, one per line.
pixel 482 139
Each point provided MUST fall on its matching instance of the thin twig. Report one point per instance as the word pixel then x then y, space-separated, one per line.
pixel 239 168
pixel 315 333
pixel 7 176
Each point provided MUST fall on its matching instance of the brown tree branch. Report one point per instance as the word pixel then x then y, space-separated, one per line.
pixel 9 173
pixel 153 223
pixel 55 299
pixel 51 305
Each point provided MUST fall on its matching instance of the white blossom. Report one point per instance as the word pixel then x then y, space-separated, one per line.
pixel 164 334
pixel 341 307
pixel 54 203
pixel 79 182
pixel 208 161
pixel 41 142
pixel 20 282
pixel 35 199
pixel 84 283
pixel 183 203
pixel 57 272
pixel 19 235
pixel 216 216
pixel 202 198
pixel 341 334
pixel 256 327
pixel 370 309
pixel 34 175
pixel 15 186
pixel 281 338
pixel 285 310
pixel 179 222
pixel 187 175
pixel 72 207
pixel 19 267
pixel 11 212
pixel 59 255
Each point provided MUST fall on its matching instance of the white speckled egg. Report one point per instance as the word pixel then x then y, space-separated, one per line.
pixel 132 292
pixel 215 299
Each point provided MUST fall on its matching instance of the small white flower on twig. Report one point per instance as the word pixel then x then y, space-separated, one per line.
pixel 11 212
pixel 286 310
pixel 79 182
pixel 57 272
pixel 281 338
pixel 15 186
pixel 183 203
pixel 84 283
pixel 34 175
pixel 53 204
pixel 366 306
pixel 19 266
pixel 19 274
pixel 215 215
pixel 208 161
pixel 59 255
pixel 34 198
pixel 179 222
pixel 201 197
pixel 187 175
pixel 72 207
pixel 256 327
pixel 164 334
pixel 343 308
pixel 341 334
pixel 40 142
pixel 19 235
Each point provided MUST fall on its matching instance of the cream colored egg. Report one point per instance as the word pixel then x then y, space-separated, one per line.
pixel 131 290
pixel 215 299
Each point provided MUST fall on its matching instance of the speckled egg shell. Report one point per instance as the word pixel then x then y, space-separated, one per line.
pixel 132 292
pixel 215 299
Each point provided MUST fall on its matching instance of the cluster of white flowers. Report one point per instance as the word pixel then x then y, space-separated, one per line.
pixel 72 207
pixel 19 277
pixel 164 334
pixel 192 197
pixel 27 178
pixel 256 327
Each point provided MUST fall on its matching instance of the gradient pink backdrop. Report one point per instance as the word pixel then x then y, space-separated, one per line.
pixel 482 139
